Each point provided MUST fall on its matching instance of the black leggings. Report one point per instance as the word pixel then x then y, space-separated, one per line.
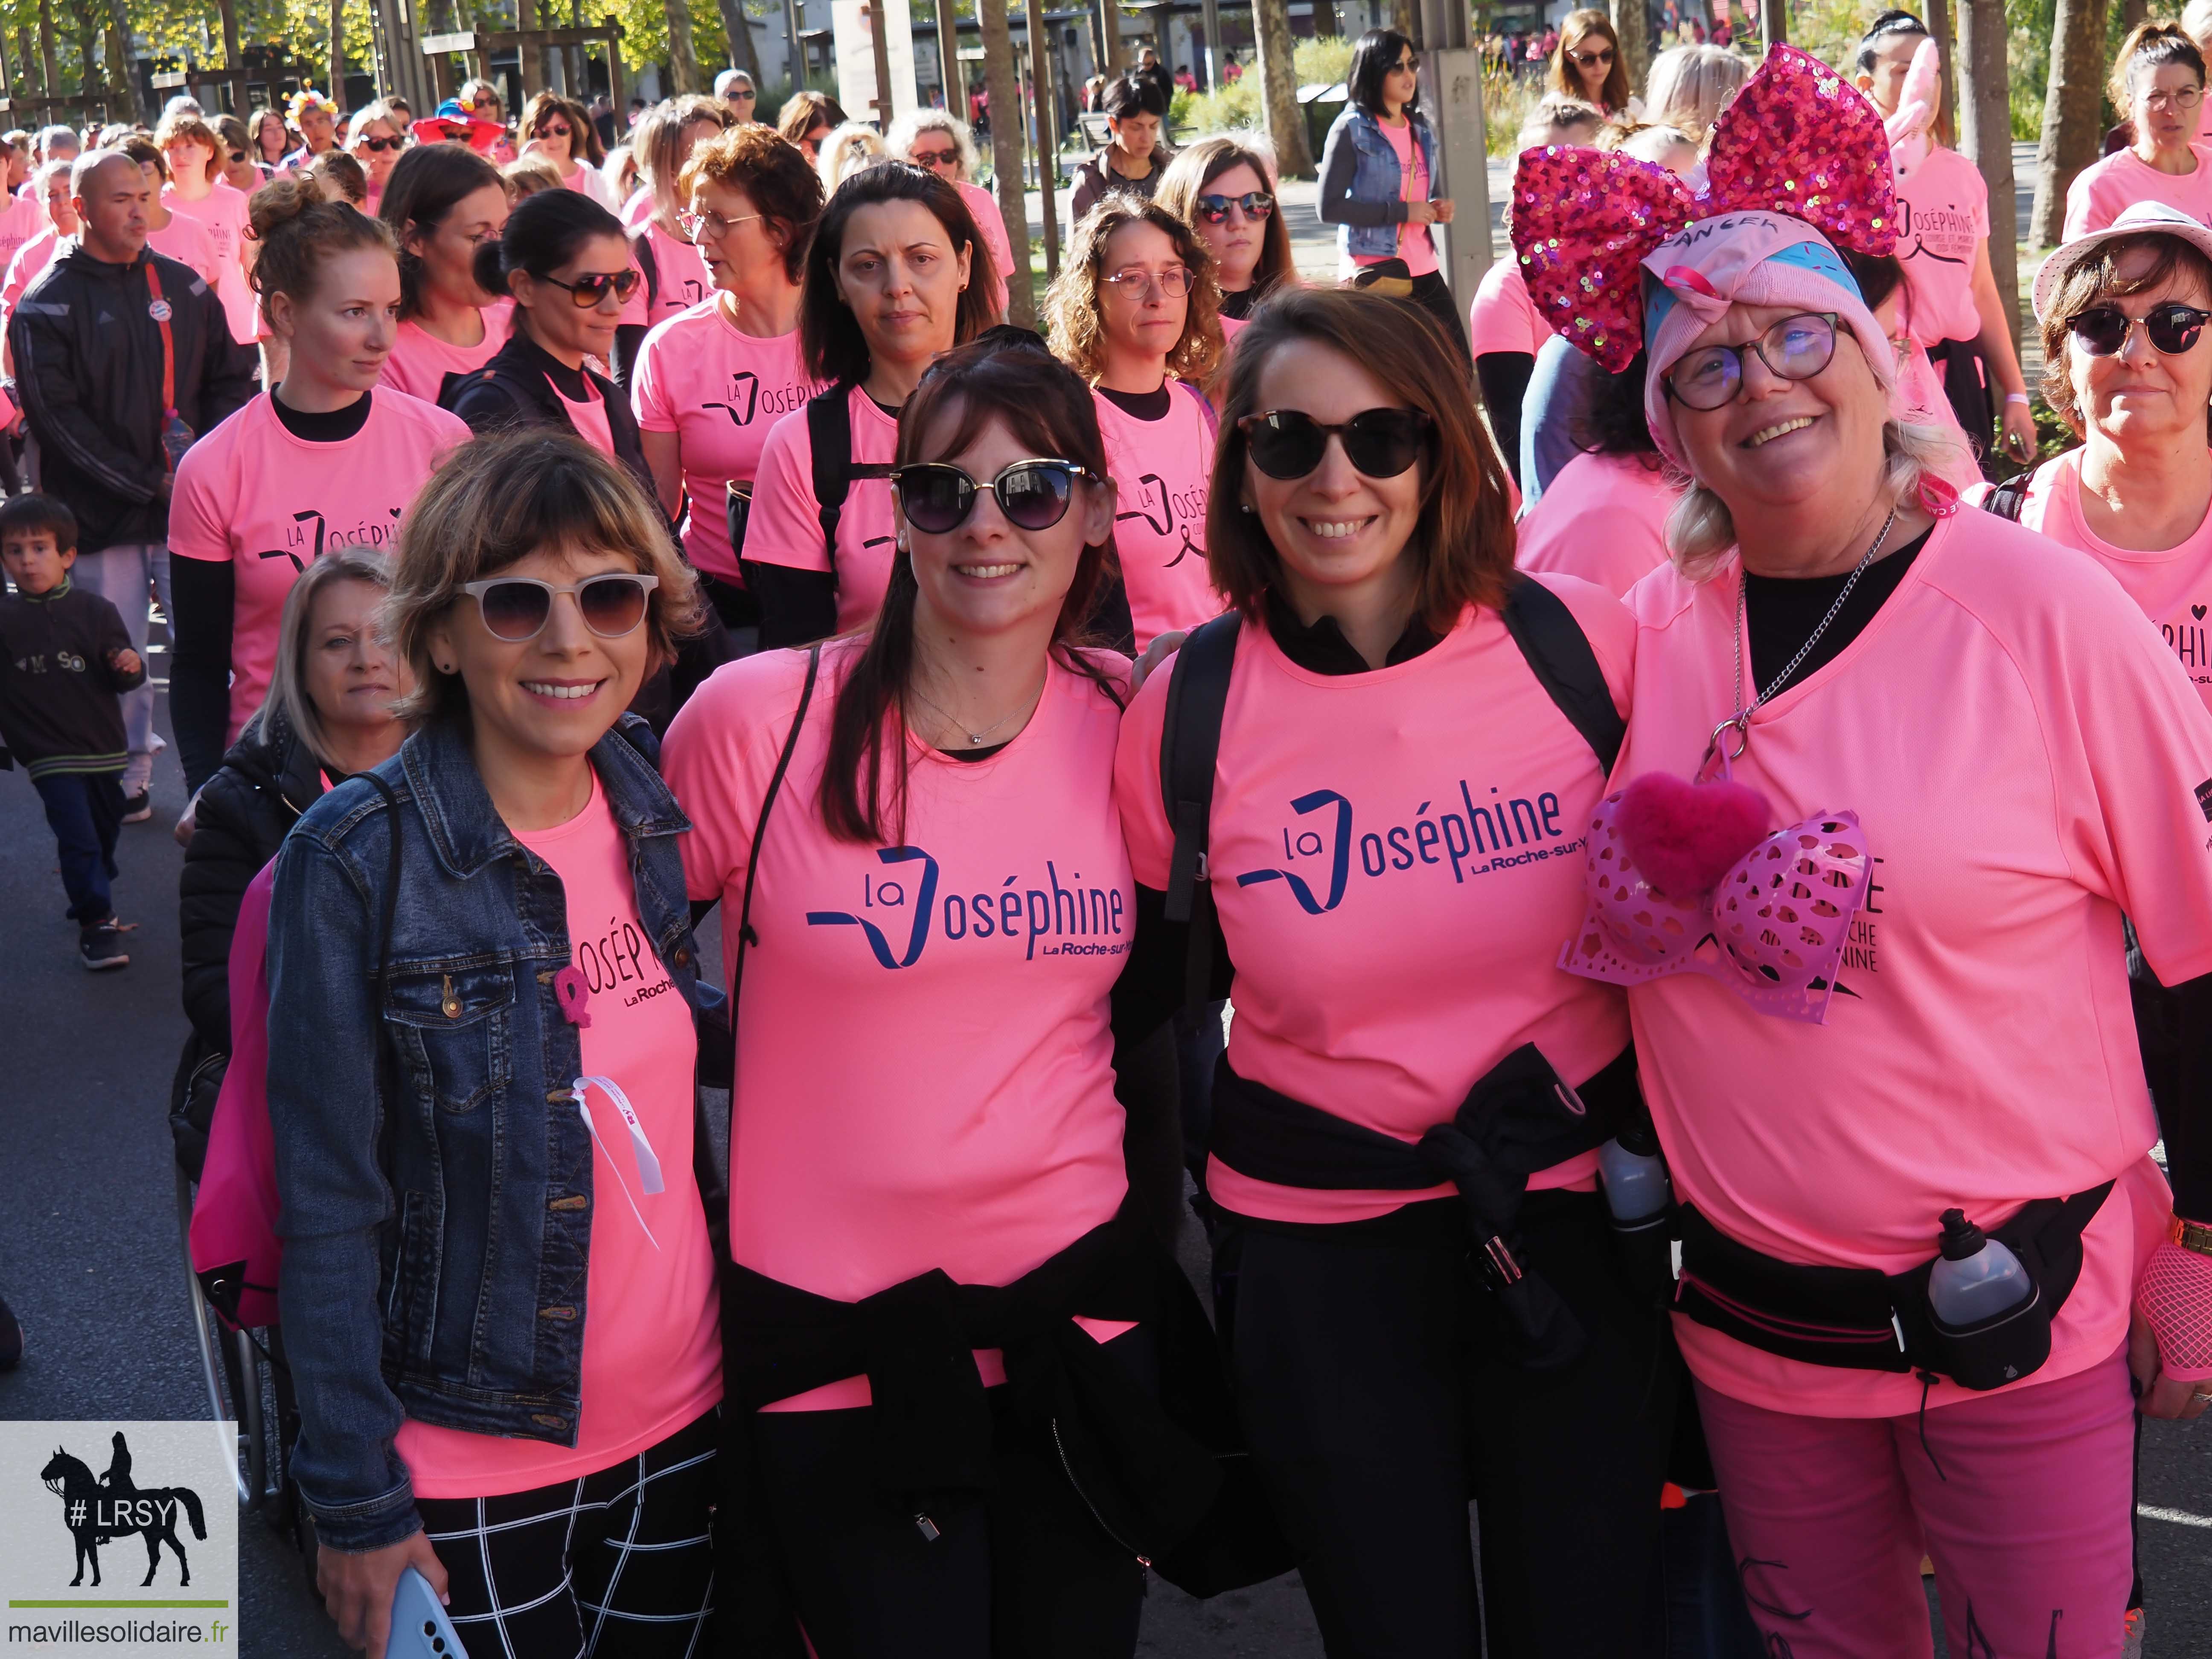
pixel 1021 1572
pixel 1375 1401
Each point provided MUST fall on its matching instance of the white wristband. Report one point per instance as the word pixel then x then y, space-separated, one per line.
pixel 2016 397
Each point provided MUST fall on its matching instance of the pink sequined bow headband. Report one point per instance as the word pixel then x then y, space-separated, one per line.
pixel 1798 139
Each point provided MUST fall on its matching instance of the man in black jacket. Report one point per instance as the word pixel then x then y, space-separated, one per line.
pixel 122 358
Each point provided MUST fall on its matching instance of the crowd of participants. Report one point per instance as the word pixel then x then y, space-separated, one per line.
pixel 1706 845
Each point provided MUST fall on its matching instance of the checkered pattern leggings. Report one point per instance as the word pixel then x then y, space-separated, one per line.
pixel 615 1565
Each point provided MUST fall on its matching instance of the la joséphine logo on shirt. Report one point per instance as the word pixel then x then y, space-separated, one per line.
pixel 312 533
pixel 901 907
pixel 1325 839
pixel 1164 509
pixel 745 402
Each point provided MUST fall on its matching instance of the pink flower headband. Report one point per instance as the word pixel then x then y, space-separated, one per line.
pixel 1798 141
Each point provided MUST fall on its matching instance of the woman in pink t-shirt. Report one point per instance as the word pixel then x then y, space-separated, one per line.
pixel 1132 311
pixel 374 138
pixel 2158 80
pixel 51 186
pixel 1909 1018
pixel 321 460
pixel 557 129
pixel 1225 190
pixel 196 188
pixel 675 277
pixel 891 281
pixel 1393 855
pixel 498 1279
pixel 1604 518
pixel 939 141
pixel 443 201
pixel 178 235
pixel 712 381
pixel 942 1355
pixel 2123 313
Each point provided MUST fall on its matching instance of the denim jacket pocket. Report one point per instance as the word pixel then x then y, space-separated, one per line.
pixel 411 1313
pixel 456 1030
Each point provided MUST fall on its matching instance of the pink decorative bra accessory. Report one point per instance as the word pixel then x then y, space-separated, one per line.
pixel 1798 139
pixel 1765 914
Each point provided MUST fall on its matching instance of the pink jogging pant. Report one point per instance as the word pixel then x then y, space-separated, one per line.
pixel 2028 1523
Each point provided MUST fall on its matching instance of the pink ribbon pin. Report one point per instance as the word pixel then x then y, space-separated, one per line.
pixel 574 996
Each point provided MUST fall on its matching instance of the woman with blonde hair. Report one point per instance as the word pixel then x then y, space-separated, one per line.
pixel 674 278
pixel 1689 86
pixel 807 118
pixel 1224 188
pixel 374 138
pixel 1135 313
pixel 482 985
pixel 850 150
pixel 557 129
pixel 1588 66
pixel 939 141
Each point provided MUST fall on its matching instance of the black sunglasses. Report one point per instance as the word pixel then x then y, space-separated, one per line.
pixel 1381 443
pixel 937 496
pixel 1254 203
pixel 377 146
pixel 517 608
pixel 588 291
pixel 2172 329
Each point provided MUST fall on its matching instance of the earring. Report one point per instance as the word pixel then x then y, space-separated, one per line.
pixel 1244 507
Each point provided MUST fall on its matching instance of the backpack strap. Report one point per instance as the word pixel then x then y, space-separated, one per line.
pixel 1204 409
pixel 746 936
pixel 829 435
pixel 648 263
pixel 2009 499
pixel 1560 656
pixel 1190 743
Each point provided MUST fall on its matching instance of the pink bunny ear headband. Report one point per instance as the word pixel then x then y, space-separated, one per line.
pixel 1916 108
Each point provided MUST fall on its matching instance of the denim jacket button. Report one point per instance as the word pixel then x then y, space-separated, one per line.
pixel 555 1096
pixel 683 957
pixel 545 1420
pixel 556 1313
pixel 573 1201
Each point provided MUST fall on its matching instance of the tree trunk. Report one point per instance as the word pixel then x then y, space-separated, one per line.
pixel 1109 32
pixel 948 59
pixel 2071 106
pixel 2133 12
pixel 1774 22
pixel 1405 17
pixel 1985 112
pixel 230 59
pixel 743 53
pixel 88 61
pixel 1632 23
pixel 1002 85
pixel 337 87
pixel 1286 122
pixel 1946 114
pixel 682 60
pixel 126 79
pixel 48 57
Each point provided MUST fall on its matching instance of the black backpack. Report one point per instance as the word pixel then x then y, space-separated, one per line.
pixel 2009 499
pixel 829 435
pixel 1550 638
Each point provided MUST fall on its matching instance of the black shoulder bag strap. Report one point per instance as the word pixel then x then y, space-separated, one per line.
pixel 1559 655
pixel 1190 743
pixel 648 264
pixel 2009 499
pixel 746 936
pixel 829 435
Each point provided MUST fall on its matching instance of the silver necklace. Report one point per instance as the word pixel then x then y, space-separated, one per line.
pixel 976 739
pixel 1741 719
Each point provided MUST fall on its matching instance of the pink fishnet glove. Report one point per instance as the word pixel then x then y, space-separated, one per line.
pixel 2175 1295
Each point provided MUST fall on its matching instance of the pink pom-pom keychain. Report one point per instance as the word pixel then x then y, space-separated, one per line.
pixel 1684 836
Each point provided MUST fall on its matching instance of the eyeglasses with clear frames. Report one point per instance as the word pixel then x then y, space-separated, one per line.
pixel 711 225
pixel 2184 98
pixel 1174 282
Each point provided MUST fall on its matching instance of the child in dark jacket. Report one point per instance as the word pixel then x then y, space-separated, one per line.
pixel 65 658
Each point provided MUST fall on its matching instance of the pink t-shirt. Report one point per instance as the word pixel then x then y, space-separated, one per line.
pixel 784 525
pixel 1942 219
pixel 1415 246
pixel 1161 470
pixel 2173 588
pixel 992 226
pixel 589 417
pixel 2023 754
pixel 186 240
pixel 222 213
pixel 652 1344
pixel 719 391
pixel 678 272
pixel 1604 518
pixel 21 218
pixel 1395 857
pixel 251 493
pixel 2102 191
pixel 925 1069
pixel 1502 318
pixel 636 211
pixel 420 361
pixel 33 256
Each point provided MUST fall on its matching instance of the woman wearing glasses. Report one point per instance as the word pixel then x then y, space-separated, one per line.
pixel 892 282
pixel 806 118
pixel 712 380
pixel 374 138
pixel 954 1123
pixel 443 201
pixel 1134 313
pixel 940 142
pixel 498 1283
pixel 1378 173
pixel 1224 191
pixel 327 458
pixel 1589 68
pixel 659 246
pixel 565 262
pixel 2158 82
pixel 1950 905
pixel 557 129
pixel 1390 779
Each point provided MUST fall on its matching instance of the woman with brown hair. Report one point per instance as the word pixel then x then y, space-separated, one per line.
pixel 807 119
pixel 894 279
pixel 557 129
pixel 1589 67
pixel 1409 740
pixel 443 201
pixel 198 190
pixel 1132 311
pixel 1225 190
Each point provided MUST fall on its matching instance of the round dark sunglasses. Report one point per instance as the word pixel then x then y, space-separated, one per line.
pixel 1795 348
pixel 517 608
pixel 587 291
pixel 1381 443
pixel 937 496
pixel 377 146
pixel 2172 329
pixel 1254 203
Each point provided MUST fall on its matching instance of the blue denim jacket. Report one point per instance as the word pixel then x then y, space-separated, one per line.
pixel 1363 187
pixel 442 1280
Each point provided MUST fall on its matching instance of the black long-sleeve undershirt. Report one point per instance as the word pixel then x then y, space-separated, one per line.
pixel 797 607
pixel 1503 377
pixel 203 597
